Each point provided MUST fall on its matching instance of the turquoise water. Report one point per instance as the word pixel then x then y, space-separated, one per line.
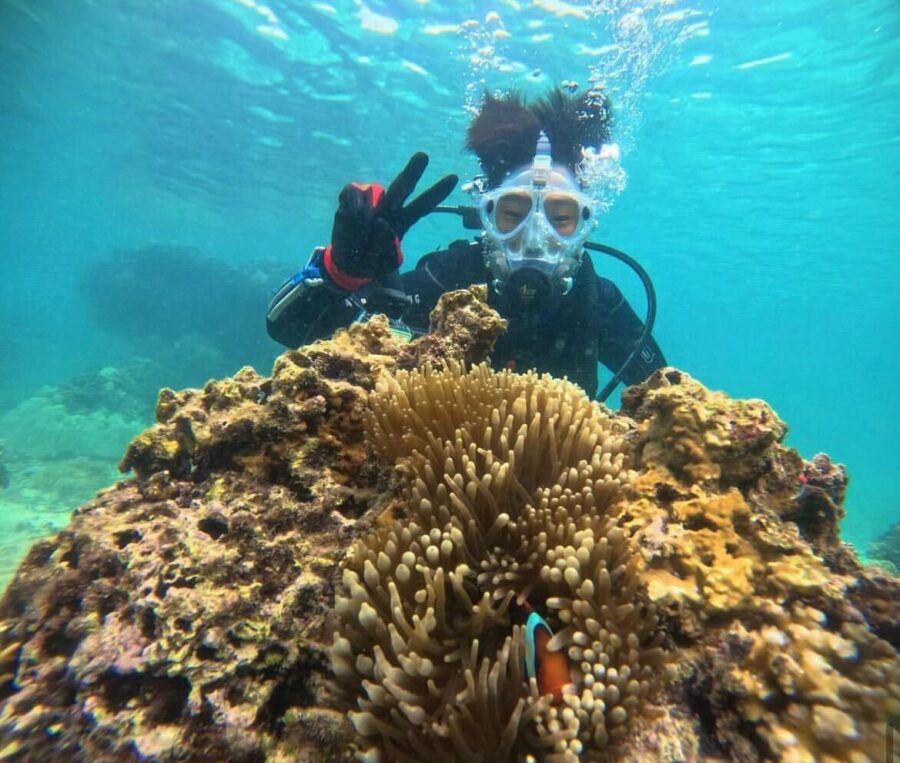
pixel 759 158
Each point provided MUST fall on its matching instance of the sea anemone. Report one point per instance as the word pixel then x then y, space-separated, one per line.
pixel 509 492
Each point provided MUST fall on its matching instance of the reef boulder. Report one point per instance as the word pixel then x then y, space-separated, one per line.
pixel 198 610
pixel 785 642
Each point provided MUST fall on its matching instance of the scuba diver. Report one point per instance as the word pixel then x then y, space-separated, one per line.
pixel 535 216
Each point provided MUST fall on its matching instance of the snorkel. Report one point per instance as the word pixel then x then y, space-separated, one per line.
pixel 535 223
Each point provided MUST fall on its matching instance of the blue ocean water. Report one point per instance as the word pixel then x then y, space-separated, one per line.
pixel 758 184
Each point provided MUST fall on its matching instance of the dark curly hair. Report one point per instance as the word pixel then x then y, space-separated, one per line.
pixel 504 133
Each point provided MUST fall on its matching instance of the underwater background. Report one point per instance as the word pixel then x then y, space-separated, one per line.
pixel 165 165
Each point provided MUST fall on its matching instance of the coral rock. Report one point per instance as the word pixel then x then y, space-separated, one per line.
pixel 461 326
pixel 817 507
pixel 785 639
pixel 190 613
pixel 183 614
pixel 698 434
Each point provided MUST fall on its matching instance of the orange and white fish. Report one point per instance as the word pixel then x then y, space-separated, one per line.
pixel 549 669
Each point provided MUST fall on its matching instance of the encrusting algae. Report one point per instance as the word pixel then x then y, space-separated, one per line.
pixel 219 604
pixel 787 643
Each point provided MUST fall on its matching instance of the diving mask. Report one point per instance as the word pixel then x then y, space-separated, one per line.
pixel 537 219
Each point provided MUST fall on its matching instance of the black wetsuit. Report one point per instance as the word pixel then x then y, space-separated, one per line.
pixel 591 323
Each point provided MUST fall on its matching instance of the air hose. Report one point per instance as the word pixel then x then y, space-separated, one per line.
pixel 648 321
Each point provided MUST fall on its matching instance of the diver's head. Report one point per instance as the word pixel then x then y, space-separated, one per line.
pixel 535 214
pixel 535 223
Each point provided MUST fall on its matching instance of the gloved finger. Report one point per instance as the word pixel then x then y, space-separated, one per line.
pixel 425 202
pixel 354 200
pixel 404 183
pixel 383 243
pixel 383 236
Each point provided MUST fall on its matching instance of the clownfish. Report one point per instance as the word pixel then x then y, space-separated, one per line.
pixel 549 669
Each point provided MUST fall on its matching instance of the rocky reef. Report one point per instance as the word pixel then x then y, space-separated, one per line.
pixel 886 548
pixel 213 606
pixel 787 646
pixel 174 296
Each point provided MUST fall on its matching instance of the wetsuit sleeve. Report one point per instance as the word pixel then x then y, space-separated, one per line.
pixel 301 313
pixel 620 330
pixel 304 310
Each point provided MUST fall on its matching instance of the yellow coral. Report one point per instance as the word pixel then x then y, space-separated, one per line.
pixel 816 687
pixel 819 695
pixel 799 572
pixel 729 586
pixel 701 435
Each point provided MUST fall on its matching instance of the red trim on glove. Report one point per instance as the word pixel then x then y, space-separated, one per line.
pixel 375 191
pixel 341 279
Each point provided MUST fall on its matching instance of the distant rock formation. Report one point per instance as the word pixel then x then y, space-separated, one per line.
pixel 4 472
pixel 885 549
pixel 160 295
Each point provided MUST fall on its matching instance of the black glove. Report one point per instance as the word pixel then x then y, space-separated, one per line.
pixel 370 223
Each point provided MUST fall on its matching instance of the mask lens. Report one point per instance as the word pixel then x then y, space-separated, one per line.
pixel 512 209
pixel 562 212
